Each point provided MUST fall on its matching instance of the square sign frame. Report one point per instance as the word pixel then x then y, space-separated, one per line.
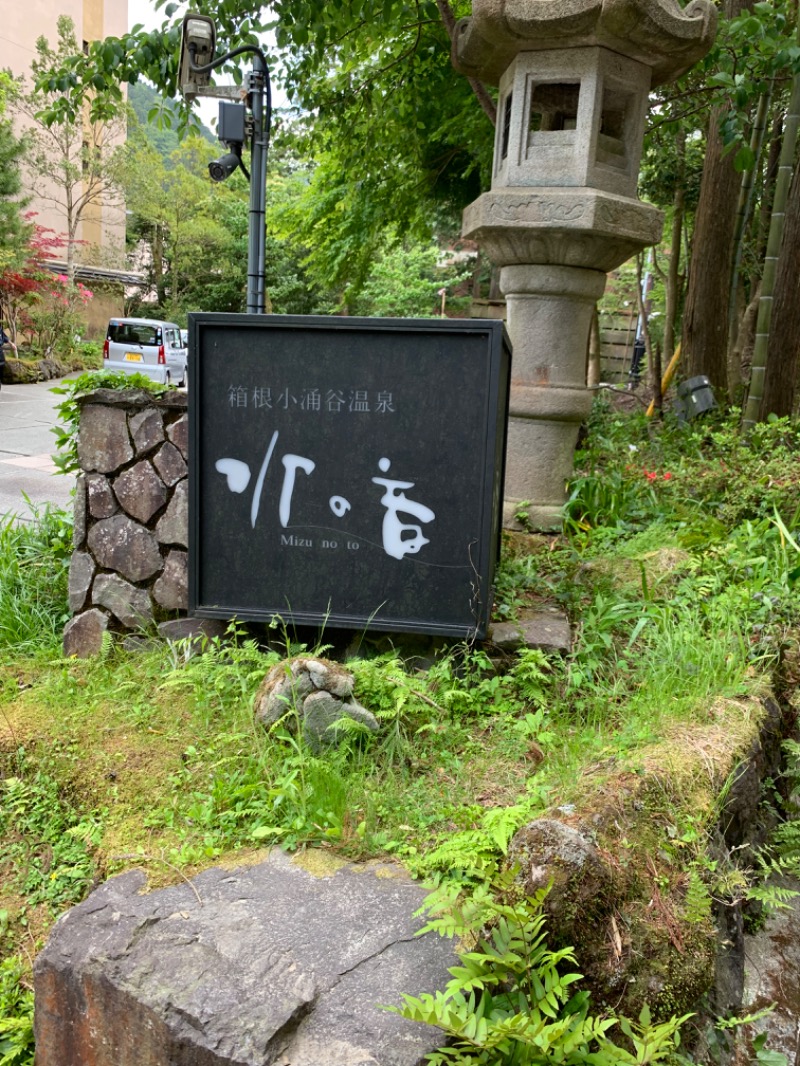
pixel 346 472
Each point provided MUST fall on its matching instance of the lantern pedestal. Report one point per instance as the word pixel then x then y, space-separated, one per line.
pixel 554 247
pixel 549 315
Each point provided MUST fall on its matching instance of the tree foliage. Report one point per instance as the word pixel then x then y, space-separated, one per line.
pixel 393 128
pixel 757 48
pixel 71 164
pixel 408 279
pixel 12 224
pixel 159 119
pixel 171 217
pixel 190 235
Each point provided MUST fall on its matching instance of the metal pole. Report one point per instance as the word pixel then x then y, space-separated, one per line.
pixel 260 93
pixel 258 191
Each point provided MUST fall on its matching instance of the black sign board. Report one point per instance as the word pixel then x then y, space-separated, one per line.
pixel 346 471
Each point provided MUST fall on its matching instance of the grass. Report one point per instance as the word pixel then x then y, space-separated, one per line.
pixel 34 561
pixel 682 591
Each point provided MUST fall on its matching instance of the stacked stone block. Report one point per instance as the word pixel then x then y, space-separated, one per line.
pixel 129 566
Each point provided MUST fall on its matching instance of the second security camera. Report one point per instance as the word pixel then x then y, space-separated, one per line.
pixel 222 168
pixel 232 131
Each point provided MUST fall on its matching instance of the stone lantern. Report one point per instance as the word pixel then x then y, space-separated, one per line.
pixel 574 78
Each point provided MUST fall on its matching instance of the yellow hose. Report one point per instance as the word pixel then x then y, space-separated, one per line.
pixel 669 374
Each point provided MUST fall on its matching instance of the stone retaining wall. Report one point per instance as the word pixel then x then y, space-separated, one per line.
pixel 129 566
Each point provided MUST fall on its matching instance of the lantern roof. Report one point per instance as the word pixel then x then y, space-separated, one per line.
pixel 658 33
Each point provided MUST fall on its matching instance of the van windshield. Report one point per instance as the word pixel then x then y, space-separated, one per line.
pixel 133 333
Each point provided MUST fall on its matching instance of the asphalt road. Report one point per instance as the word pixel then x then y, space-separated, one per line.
pixel 27 415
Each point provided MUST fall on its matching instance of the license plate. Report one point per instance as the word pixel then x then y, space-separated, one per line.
pixel 133 357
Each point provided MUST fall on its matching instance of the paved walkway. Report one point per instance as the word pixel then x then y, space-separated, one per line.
pixel 27 445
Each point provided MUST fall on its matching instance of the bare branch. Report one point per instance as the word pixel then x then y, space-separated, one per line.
pixel 448 18
pixel 484 99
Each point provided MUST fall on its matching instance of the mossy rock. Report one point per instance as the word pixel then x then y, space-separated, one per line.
pixel 20 371
pixel 550 852
pixel 670 960
pixel 624 915
pixel 29 371
pixel 52 368
pixel 631 888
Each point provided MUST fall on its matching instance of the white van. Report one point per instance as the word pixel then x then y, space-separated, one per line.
pixel 146 346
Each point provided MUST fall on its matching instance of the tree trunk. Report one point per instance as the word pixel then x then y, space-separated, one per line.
pixel 783 349
pixel 8 314
pixel 705 317
pixel 745 342
pixel 653 364
pixel 742 222
pixel 159 271
pixel 654 374
pixel 71 264
pixel 768 185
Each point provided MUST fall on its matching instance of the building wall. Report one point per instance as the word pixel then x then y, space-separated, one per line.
pixel 102 228
pixel 108 301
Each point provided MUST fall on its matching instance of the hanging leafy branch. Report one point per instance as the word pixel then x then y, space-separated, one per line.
pixel 759 50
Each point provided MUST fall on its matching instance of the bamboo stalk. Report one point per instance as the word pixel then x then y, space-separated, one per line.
pixel 752 410
pixel 745 206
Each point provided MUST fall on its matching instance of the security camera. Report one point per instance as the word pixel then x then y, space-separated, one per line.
pixel 222 168
pixel 232 130
pixel 198 43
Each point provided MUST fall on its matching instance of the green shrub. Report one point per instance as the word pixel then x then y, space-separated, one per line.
pixel 88 355
pixel 44 840
pixel 16 1014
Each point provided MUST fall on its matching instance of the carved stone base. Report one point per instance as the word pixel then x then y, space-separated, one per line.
pixel 575 227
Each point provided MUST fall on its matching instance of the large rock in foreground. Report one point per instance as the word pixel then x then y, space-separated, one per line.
pixel 270 964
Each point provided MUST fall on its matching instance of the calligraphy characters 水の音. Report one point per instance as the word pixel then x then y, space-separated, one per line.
pixel 399 538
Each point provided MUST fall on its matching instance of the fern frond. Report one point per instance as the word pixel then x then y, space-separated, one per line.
pixel 509 1001
pixel 698 899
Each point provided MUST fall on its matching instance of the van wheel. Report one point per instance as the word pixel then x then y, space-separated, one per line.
pixel 167 379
